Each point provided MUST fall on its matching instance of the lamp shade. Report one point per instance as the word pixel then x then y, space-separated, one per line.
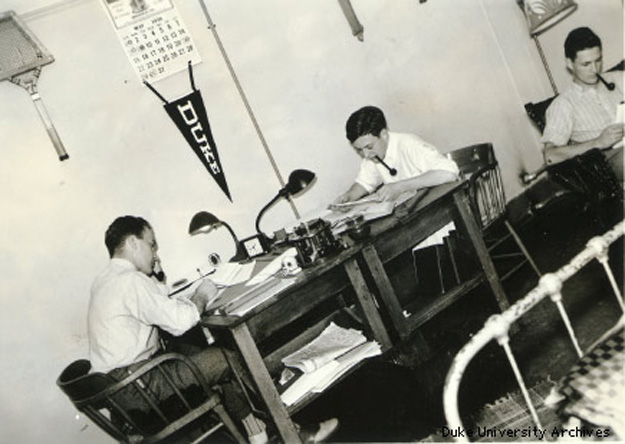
pixel 203 222
pixel 298 181
pixel 543 14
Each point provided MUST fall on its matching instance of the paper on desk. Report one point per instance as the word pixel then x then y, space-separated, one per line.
pixel 272 268
pixel 363 201
pixel 255 296
pixel 369 211
pixel 232 273
pixel 186 286
pixel 370 208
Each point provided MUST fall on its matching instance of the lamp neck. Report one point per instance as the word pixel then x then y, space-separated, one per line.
pixel 240 253
pixel 229 228
pixel 270 203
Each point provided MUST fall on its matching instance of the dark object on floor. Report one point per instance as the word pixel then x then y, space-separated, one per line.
pixel 381 402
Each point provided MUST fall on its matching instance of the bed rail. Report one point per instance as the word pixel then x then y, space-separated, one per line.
pixel 497 326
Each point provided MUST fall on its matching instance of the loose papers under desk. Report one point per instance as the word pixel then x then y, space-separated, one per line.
pixel 326 359
pixel 321 378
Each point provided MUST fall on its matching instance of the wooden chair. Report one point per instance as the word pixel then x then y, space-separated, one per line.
pixel 478 164
pixel 179 417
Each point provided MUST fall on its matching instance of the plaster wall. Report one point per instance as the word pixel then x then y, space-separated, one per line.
pixel 455 72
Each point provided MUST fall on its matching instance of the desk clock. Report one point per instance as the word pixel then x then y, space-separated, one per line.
pixel 256 245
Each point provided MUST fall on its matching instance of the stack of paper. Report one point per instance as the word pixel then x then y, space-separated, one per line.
pixel 232 273
pixel 331 343
pixel 255 296
pixel 325 359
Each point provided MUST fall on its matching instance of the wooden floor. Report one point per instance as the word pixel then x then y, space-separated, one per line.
pixel 399 398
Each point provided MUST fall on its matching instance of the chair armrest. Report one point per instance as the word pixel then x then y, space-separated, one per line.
pixel 150 365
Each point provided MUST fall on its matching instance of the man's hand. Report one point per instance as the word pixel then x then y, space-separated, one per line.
pixel 341 199
pixel 390 191
pixel 355 192
pixel 205 294
pixel 611 135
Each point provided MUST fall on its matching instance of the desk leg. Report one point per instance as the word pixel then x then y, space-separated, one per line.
pixel 475 234
pixel 266 388
pixel 367 303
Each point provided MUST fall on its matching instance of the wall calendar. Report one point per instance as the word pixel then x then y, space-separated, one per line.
pixel 153 36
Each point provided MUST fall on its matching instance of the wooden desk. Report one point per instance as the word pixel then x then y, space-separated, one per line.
pixel 410 224
pixel 359 270
pixel 315 287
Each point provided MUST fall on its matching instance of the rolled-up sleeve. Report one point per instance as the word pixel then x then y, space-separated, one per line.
pixel 559 118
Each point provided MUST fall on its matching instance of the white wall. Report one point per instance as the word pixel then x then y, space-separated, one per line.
pixel 456 72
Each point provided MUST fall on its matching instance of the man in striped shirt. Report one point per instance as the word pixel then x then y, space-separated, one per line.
pixel 584 116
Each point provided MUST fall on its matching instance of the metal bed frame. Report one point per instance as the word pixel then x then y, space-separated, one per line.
pixel 497 327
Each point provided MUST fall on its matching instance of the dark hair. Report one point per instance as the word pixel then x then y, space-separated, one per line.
pixel 578 40
pixel 367 120
pixel 121 228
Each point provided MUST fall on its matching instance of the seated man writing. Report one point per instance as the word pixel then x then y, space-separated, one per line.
pixel 128 307
pixel 584 116
pixel 392 163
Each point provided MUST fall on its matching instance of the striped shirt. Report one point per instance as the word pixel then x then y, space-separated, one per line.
pixel 581 114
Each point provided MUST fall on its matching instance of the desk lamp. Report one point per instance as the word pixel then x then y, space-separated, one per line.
pixel 204 222
pixel 542 15
pixel 299 180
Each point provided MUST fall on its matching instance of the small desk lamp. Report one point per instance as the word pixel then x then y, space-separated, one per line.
pixel 299 180
pixel 203 222
pixel 542 15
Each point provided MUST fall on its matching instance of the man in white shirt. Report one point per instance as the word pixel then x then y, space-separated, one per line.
pixel 127 308
pixel 584 116
pixel 392 163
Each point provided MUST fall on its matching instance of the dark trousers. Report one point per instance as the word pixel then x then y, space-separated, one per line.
pixel 214 363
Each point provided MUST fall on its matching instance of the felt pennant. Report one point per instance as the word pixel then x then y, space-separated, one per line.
pixel 189 115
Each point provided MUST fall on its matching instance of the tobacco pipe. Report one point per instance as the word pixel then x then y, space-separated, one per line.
pixel 609 85
pixel 392 171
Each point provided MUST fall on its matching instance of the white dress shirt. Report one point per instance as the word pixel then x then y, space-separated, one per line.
pixel 410 155
pixel 124 310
